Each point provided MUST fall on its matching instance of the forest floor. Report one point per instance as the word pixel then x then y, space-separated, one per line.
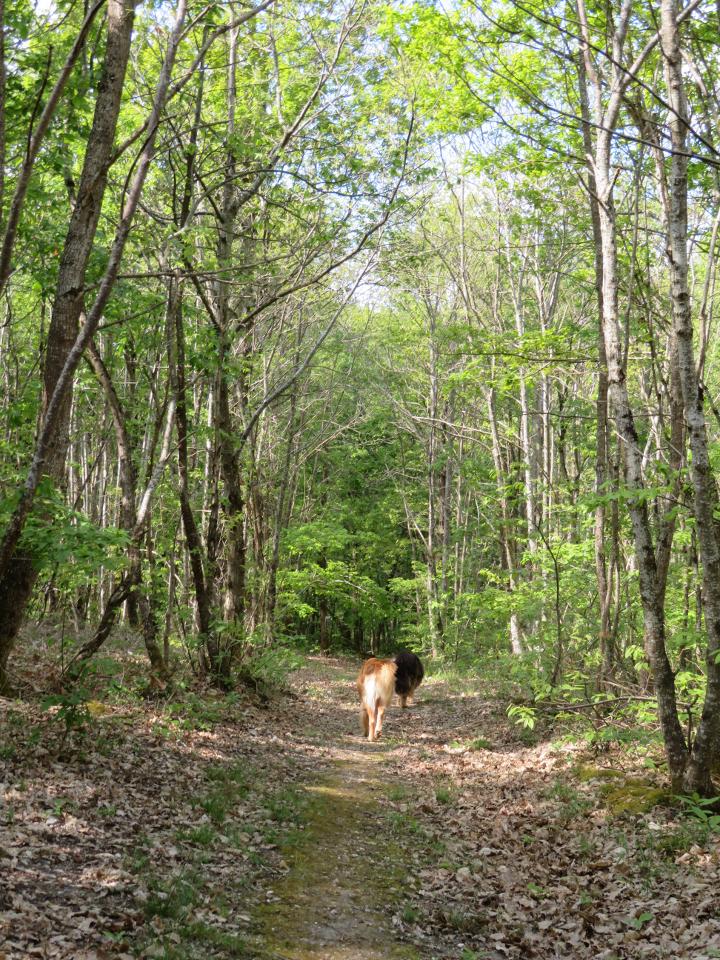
pixel 211 826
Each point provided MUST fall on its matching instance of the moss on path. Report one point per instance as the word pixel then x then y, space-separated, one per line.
pixel 346 873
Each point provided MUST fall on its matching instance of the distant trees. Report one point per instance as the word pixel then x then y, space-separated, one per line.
pixel 600 98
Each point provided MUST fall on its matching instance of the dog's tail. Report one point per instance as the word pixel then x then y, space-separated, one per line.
pixel 378 686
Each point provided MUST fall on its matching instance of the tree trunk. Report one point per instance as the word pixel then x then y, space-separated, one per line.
pixel 233 503
pixel 650 594
pixel 16 583
pixel 202 582
pixel 132 583
pixel 602 574
pixel 508 546
pixel 434 597
pixel 705 496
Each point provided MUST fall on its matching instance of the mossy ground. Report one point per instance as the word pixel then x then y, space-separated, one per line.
pixel 633 796
pixel 346 874
pixel 623 794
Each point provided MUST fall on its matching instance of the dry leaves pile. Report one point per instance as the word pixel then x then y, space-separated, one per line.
pixel 531 862
pixel 158 832
pixel 102 846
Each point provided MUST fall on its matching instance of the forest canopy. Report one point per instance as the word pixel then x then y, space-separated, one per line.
pixel 357 326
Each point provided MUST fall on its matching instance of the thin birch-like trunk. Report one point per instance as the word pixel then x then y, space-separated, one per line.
pixel 606 116
pixel 602 574
pixel 705 496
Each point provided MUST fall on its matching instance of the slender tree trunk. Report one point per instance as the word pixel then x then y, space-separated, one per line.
pixel 280 514
pixel 233 503
pixel 199 563
pixel 131 583
pixel 3 138
pixel 171 588
pixel 507 541
pixel 434 501
pixel 651 596
pixel 705 495
pixel 603 576
pixel 18 579
pixel 175 334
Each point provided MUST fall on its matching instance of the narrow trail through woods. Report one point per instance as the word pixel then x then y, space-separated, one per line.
pixel 333 904
pixel 347 872
pixel 358 868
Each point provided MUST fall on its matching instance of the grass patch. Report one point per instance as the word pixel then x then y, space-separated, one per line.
pixel 478 743
pixel 463 921
pixel 284 806
pixel 398 794
pixel 229 783
pixel 202 836
pixel 673 842
pixel 287 809
pixel 198 713
pixel 196 940
pixel 572 803
pixel 443 795
pixel 410 914
pixel 216 805
pixel 403 823
pixel 205 934
pixel 173 897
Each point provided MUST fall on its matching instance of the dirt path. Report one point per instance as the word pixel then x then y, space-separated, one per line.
pixel 373 877
pixel 346 876
pixel 334 902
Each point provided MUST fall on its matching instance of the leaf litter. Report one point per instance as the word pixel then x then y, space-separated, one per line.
pixel 179 831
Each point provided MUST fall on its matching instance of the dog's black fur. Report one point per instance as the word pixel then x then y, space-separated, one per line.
pixel 408 676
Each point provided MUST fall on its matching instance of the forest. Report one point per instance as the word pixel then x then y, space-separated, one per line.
pixel 329 330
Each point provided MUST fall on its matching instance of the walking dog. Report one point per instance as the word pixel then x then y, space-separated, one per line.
pixel 408 675
pixel 376 685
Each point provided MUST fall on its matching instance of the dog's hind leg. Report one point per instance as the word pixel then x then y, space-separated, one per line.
pixel 365 720
pixel 372 721
pixel 403 700
pixel 379 721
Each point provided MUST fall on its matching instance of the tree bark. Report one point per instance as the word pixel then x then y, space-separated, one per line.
pixel 36 136
pixel 606 116
pixel 131 583
pixel 602 574
pixel 508 545
pixel 18 577
pixel 176 367
pixel 705 495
